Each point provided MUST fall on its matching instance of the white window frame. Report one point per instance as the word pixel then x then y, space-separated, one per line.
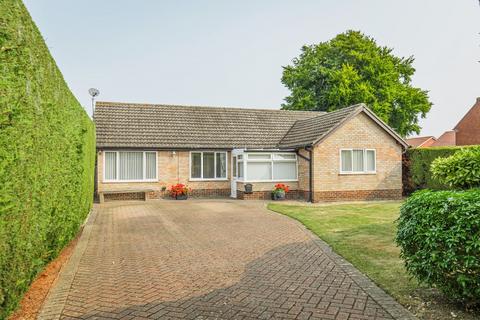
pixel 365 171
pixel 214 166
pixel 245 159
pixel 117 173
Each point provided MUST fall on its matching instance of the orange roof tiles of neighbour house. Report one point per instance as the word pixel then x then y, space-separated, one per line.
pixel 421 142
pixel 445 140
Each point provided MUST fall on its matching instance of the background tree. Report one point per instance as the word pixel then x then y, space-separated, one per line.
pixel 349 69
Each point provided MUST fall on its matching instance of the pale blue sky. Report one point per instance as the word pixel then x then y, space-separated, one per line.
pixel 231 53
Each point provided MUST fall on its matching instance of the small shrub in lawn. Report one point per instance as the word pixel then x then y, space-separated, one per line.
pixel 460 170
pixel 439 237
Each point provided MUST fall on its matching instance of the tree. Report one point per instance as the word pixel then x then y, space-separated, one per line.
pixel 349 69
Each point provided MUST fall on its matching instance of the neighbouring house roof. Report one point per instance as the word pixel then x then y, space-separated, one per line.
pixel 446 139
pixel 421 142
pixel 129 125
pixel 473 112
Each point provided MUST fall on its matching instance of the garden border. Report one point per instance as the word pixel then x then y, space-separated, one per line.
pixel 57 297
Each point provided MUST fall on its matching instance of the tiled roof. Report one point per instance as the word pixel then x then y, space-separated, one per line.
pixel 308 131
pixel 171 126
pixel 128 125
pixel 446 139
pixel 421 141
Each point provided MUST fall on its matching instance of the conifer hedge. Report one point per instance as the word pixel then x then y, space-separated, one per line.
pixel 416 168
pixel 47 150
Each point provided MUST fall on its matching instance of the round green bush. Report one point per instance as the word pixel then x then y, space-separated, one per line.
pixel 439 237
pixel 460 170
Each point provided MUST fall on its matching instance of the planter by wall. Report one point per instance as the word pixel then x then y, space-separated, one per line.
pixel 278 195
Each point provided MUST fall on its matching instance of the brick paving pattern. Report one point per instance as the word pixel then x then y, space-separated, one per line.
pixel 208 260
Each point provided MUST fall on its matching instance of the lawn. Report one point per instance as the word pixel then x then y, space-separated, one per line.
pixel 364 235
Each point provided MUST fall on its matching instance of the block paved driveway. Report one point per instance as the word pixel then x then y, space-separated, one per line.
pixel 208 259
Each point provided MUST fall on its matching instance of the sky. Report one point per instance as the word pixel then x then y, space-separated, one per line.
pixel 231 53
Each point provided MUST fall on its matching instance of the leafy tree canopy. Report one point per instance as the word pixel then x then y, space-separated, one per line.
pixel 349 69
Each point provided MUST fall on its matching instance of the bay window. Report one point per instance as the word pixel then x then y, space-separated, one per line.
pixel 130 166
pixel 267 167
pixel 208 165
pixel 357 161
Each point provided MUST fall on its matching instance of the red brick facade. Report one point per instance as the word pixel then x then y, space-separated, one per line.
pixel 388 194
pixel 267 195
pixel 125 196
pixel 196 193
pixel 468 129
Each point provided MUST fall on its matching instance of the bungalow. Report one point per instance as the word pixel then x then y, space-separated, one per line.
pixel 142 149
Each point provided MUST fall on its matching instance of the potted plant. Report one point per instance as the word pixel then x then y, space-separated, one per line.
pixel 179 191
pixel 279 191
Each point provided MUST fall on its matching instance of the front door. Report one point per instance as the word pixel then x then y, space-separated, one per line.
pixel 233 186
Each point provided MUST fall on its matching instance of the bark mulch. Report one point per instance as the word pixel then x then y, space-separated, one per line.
pixel 35 296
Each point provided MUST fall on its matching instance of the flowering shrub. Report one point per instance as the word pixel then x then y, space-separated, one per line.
pixel 178 189
pixel 281 187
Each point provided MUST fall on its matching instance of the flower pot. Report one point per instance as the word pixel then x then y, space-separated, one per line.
pixel 279 195
pixel 181 197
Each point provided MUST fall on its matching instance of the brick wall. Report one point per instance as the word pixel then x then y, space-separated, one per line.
pixel 339 195
pixel 360 132
pixel 267 195
pixel 303 171
pixel 468 129
pixel 125 196
pixel 172 169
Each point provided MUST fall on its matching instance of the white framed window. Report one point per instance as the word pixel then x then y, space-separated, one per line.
pixel 208 165
pixel 354 161
pixel 130 166
pixel 259 167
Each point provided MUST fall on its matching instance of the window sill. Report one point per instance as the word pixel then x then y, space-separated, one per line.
pixel 206 180
pixel 129 181
pixel 356 173
pixel 271 181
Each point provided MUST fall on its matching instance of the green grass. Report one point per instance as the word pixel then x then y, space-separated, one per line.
pixel 364 234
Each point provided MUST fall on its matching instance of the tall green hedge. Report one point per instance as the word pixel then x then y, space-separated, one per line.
pixel 47 155
pixel 416 168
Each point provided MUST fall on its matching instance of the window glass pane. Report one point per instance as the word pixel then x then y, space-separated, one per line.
pixel 240 157
pixel 370 160
pixel 240 169
pixel 357 161
pixel 284 156
pixel 259 170
pixel 346 160
pixel 150 165
pixel 110 166
pixel 131 165
pixel 256 156
pixel 208 165
pixel 285 170
pixel 196 165
pixel 221 169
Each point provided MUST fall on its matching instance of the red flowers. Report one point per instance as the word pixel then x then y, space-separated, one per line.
pixel 178 189
pixel 281 186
